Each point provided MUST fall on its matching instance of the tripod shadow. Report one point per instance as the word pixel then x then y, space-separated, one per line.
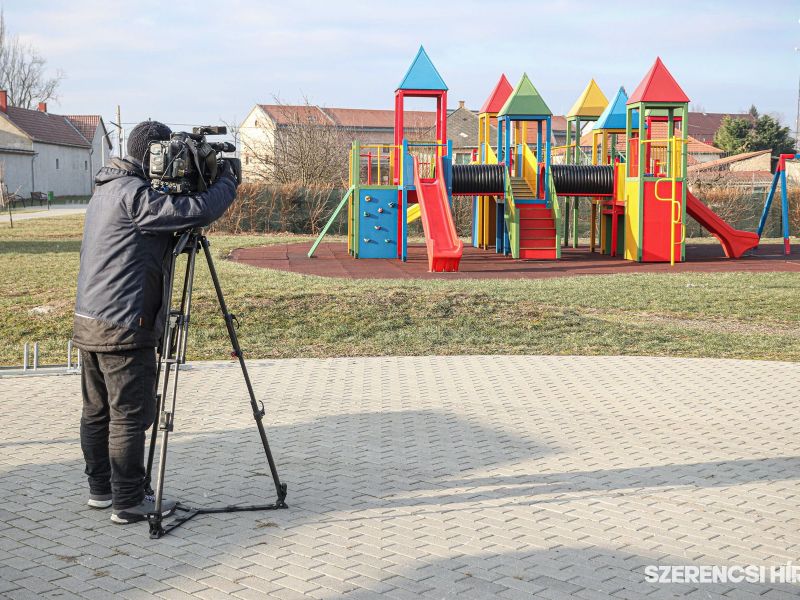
pixel 383 460
pixel 416 458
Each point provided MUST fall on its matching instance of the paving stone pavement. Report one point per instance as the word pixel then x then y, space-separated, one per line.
pixel 425 477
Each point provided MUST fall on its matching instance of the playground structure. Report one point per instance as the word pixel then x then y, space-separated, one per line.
pixel 779 179
pixel 639 197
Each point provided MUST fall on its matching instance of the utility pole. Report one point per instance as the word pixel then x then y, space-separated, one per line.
pixel 797 121
pixel 119 133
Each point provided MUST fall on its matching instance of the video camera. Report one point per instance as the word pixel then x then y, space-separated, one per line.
pixel 188 163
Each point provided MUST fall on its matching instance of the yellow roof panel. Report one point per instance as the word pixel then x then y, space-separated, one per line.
pixel 591 103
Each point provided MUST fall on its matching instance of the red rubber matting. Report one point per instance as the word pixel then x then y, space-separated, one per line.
pixel 332 260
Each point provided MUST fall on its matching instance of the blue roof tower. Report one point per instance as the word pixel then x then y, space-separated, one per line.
pixel 422 75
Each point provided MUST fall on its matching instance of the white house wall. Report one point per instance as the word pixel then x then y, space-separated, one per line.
pixel 256 137
pixel 16 173
pixel 70 176
pixel 101 153
pixel 16 167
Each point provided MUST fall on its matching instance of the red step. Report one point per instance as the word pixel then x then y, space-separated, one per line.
pixel 538 253
pixel 534 212
pixel 537 242
pixel 540 224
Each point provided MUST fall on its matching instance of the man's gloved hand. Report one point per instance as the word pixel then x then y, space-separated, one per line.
pixel 232 167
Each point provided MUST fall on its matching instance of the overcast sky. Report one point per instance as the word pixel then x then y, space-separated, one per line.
pixel 191 62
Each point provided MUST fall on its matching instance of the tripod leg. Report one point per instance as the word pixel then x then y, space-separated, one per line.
pixel 175 355
pixel 167 345
pixel 258 411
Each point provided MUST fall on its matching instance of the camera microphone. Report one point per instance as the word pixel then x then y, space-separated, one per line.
pixel 223 147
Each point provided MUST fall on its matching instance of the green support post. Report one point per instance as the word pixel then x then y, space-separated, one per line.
pixel 355 179
pixel 332 218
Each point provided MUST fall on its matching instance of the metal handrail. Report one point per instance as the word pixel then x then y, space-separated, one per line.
pixel 551 184
pixel 511 215
pixel 673 200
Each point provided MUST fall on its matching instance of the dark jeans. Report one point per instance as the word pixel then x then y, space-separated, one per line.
pixel 119 405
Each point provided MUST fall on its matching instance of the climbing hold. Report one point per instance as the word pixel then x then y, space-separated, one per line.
pixel 366 214
pixel 380 210
pixel 377 227
pixel 367 198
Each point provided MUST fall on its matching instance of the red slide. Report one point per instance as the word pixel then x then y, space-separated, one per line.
pixel 444 247
pixel 734 242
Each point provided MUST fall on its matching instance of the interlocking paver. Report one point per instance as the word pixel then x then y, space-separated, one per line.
pixel 429 477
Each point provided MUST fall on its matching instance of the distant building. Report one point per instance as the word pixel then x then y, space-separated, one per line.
pixel 745 170
pixel 368 126
pixel 257 133
pixel 697 151
pixel 703 126
pixel 44 152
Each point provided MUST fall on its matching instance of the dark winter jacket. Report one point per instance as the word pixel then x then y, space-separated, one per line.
pixel 125 255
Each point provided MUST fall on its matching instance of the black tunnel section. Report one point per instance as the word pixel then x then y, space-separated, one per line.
pixel 471 180
pixel 583 180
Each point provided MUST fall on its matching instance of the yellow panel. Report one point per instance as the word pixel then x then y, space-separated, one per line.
pixel 591 103
pixel 619 192
pixel 412 214
pixel 632 219
pixel 530 167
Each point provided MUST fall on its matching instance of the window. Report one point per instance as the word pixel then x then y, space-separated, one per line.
pixel 86 165
pixel 462 158
pixel 56 163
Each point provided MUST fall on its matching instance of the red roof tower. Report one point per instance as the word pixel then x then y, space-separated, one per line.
pixel 658 86
pixel 498 97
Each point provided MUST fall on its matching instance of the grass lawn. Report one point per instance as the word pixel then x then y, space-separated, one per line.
pixel 734 315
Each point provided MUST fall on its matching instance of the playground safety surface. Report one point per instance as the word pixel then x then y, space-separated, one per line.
pixel 332 260
pixel 469 477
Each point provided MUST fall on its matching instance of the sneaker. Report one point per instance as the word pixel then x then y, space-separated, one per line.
pixel 137 513
pixel 99 500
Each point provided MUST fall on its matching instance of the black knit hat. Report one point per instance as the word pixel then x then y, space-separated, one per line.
pixel 145 132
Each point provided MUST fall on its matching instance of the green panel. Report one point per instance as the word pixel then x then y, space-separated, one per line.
pixel 524 101
pixel 620 235
pixel 511 216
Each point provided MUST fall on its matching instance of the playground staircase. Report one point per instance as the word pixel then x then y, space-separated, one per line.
pixel 537 230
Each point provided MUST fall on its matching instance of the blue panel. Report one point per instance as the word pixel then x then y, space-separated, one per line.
pixel 500 229
pixel 422 75
pixel 475 201
pixel 613 117
pixel 378 223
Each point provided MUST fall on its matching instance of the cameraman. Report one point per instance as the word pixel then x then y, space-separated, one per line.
pixel 119 316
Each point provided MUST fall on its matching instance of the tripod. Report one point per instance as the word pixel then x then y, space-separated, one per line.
pixel 172 355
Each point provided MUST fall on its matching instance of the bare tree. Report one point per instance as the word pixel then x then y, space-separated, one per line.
pixel 22 71
pixel 301 145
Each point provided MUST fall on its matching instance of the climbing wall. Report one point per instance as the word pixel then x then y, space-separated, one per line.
pixel 377 225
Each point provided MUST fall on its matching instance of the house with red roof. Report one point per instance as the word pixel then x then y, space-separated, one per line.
pixel 45 152
pixel 369 126
pixel 747 169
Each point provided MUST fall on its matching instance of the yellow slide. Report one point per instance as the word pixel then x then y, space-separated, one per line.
pixel 412 214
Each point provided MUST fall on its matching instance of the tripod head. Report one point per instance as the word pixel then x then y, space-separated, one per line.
pixel 184 237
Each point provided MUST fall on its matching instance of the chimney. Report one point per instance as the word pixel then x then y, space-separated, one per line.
pixel 4 101
pixel 43 107
pixel 461 104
